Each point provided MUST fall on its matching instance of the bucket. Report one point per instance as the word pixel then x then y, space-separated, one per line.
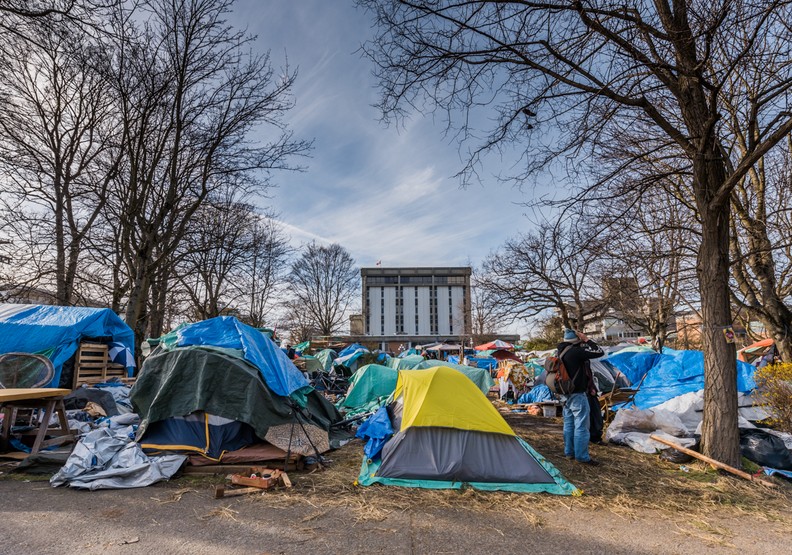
pixel 549 411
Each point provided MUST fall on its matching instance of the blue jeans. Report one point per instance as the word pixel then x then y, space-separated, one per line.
pixel 576 426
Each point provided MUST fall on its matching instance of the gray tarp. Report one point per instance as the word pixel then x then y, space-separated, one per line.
pixel 109 459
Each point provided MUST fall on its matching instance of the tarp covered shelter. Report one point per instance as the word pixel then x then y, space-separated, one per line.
pixel 759 349
pixel 326 357
pixel 56 331
pixel 227 332
pixel 369 387
pixel 500 354
pixel 406 363
pixel 672 373
pixel 349 349
pixel 479 376
pixel 222 390
pixel 494 345
pixel 448 434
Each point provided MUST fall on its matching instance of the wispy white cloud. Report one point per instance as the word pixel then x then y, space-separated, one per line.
pixel 383 193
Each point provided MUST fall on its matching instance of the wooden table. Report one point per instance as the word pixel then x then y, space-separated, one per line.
pixel 49 399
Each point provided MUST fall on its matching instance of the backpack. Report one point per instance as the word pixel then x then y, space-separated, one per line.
pixel 558 380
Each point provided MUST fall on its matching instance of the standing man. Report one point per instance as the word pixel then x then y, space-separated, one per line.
pixel 577 411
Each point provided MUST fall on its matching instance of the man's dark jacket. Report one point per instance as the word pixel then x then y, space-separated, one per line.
pixel 575 361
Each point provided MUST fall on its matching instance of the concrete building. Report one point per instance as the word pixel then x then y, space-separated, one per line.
pixel 409 306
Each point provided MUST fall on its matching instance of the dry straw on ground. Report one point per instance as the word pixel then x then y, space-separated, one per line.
pixel 625 483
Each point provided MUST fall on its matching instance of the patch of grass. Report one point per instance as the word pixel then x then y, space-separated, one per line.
pixel 22 477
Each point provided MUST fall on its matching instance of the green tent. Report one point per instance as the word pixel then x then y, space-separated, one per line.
pixel 479 376
pixel 326 357
pixel 222 383
pixel 369 388
pixel 406 363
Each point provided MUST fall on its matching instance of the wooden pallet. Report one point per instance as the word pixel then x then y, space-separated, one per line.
pixel 93 366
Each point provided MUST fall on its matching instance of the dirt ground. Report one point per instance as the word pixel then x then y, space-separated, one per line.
pixel 633 503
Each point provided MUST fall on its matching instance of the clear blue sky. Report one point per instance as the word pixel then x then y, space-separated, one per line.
pixel 384 193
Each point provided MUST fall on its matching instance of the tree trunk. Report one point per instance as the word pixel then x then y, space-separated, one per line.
pixel 783 343
pixel 720 434
pixel 136 313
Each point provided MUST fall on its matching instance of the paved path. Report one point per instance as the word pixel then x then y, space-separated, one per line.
pixel 37 519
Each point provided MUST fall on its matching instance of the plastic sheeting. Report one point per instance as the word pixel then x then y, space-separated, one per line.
pixel 377 430
pixel 406 363
pixel 326 357
pixel 538 394
pixel 633 426
pixel 349 349
pixel 478 376
pixel 109 459
pixel 35 328
pixel 279 373
pixel 633 364
pixel 674 373
pixel 369 384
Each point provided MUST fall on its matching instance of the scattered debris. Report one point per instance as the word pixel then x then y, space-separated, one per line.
pixel 136 539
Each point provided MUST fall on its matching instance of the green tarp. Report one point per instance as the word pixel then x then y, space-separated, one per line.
pixel 188 379
pixel 479 376
pixel 369 387
pixel 406 363
pixel 326 357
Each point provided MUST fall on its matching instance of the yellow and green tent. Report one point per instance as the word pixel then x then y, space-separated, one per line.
pixel 448 434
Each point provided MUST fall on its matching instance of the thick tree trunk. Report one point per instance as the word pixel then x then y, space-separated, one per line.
pixel 137 314
pixel 720 434
pixel 783 343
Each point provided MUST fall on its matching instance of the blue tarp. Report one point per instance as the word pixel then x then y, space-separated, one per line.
pixel 348 350
pixel 538 394
pixel 377 430
pixel 634 364
pixel 675 373
pixel 350 360
pixel 483 362
pixel 280 373
pixel 37 328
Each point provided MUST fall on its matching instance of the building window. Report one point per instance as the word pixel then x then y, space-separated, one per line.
pixel 450 314
pixel 416 310
pixel 433 310
pixel 382 311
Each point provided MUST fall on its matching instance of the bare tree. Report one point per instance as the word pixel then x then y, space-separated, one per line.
pixel 299 322
pixel 647 246
pixel 761 249
pixel 323 283
pixel 264 272
pixel 58 147
pixel 233 260
pixel 595 68
pixel 190 96
pixel 551 268
pixel 486 316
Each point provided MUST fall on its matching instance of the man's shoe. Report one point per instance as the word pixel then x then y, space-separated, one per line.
pixel 590 462
pixel 570 457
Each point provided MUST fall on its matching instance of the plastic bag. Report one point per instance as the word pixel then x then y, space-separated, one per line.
pixel 646 421
pixel 765 449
